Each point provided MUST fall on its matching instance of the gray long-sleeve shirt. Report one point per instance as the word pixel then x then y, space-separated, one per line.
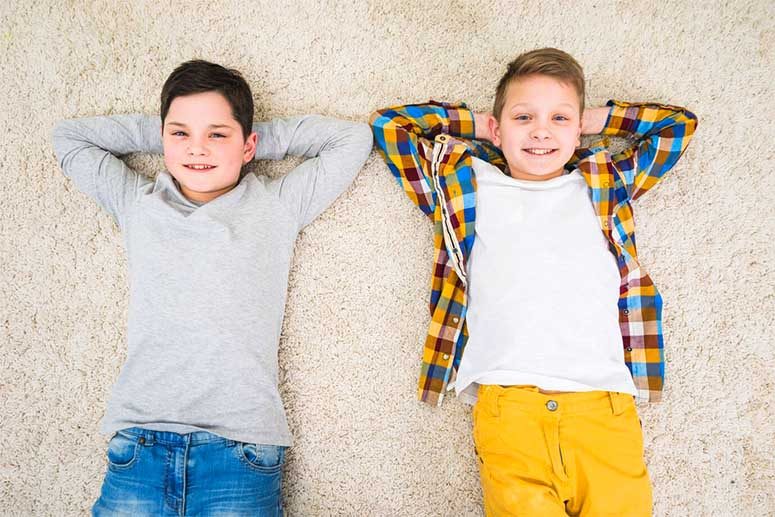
pixel 207 283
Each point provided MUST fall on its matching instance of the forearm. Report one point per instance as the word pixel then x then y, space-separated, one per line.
pixel 337 150
pixel 645 120
pixel 426 120
pixel 308 136
pixel 482 126
pixel 118 135
pixel 401 135
pixel 87 150
pixel 661 133
pixel 274 137
pixel 593 120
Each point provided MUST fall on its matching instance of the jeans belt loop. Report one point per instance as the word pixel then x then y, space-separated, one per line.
pixel 148 438
pixel 495 407
pixel 617 403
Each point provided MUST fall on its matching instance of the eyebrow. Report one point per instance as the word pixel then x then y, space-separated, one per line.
pixel 564 104
pixel 211 126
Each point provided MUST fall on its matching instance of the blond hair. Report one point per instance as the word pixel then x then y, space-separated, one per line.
pixel 551 62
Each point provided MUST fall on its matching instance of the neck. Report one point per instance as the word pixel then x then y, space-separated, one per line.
pixel 203 197
pixel 520 175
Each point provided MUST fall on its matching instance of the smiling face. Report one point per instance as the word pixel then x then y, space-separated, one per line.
pixel 539 127
pixel 204 149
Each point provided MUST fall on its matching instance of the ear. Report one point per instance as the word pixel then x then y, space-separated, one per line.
pixel 495 130
pixel 578 136
pixel 249 150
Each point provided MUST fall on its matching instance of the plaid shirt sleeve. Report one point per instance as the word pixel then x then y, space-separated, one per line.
pixel 662 132
pixel 404 137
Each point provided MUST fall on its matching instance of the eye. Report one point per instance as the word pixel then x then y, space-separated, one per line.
pixel 522 117
pixel 218 135
pixel 561 118
pixel 178 133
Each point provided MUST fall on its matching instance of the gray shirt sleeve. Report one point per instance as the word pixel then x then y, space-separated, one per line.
pixel 87 150
pixel 336 149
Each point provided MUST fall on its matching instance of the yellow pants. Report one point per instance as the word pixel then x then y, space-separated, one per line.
pixel 549 455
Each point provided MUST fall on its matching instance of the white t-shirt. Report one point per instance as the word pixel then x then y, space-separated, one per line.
pixel 543 288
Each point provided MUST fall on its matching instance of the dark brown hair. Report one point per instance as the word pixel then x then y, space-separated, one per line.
pixel 198 76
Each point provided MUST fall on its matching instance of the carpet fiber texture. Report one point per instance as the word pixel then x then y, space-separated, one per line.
pixel 357 306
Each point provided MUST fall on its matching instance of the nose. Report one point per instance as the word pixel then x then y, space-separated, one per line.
pixel 196 148
pixel 540 132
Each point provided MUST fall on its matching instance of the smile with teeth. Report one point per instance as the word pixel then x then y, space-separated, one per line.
pixel 199 166
pixel 539 152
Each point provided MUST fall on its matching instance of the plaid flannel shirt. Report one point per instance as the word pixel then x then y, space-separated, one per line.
pixel 428 148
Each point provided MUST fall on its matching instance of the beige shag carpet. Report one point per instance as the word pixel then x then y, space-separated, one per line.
pixel 357 308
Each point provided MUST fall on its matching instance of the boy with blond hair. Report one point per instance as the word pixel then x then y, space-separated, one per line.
pixel 536 278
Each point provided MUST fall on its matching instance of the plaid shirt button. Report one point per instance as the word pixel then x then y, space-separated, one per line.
pixel 455 319
pixel 445 356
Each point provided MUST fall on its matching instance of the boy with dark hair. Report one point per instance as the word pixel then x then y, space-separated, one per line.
pixel 536 278
pixel 197 421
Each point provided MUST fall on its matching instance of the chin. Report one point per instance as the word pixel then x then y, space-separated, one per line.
pixel 545 173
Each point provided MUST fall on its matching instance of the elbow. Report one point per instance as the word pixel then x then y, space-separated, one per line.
pixel 691 120
pixel 60 130
pixel 66 130
pixel 374 117
pixel 61 137
pixel 685 123
pixel 380 118
pixel 364 138
pixel 364 134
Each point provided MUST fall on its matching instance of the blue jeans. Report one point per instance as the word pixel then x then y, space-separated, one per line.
pixel 165 474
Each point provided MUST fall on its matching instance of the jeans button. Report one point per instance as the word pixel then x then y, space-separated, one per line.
pixel 551 405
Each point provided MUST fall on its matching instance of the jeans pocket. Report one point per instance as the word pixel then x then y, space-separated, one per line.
pixel 268 459
pixel 122 451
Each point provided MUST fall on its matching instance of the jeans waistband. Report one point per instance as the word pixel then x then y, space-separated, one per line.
pixel 175 439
